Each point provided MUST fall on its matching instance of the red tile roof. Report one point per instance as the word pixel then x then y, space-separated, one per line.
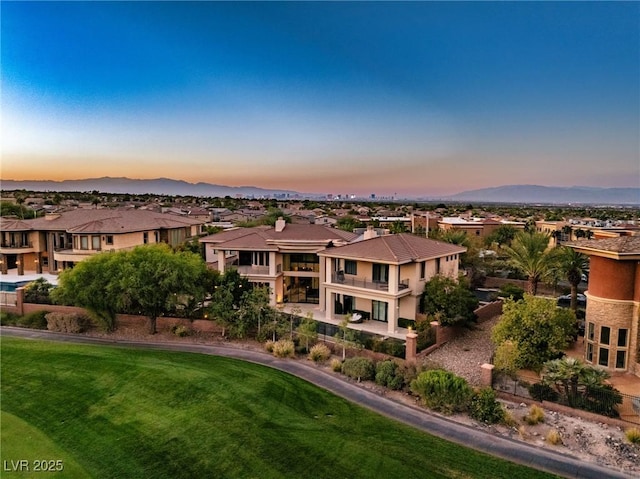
pixel 400 248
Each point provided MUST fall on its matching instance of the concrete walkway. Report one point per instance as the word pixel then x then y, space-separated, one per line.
pixel 444 428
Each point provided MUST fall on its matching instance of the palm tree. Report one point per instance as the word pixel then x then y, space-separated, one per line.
pixel 530 253
pixel 573 265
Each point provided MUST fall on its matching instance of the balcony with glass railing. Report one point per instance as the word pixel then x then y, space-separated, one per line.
pixel 366 283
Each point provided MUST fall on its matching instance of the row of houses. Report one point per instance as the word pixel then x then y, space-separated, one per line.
pixel 369 277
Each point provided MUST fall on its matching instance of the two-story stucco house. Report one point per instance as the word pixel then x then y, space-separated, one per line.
pixel 380 278
pixel 57 241
pixel 383 277
pixel 283 257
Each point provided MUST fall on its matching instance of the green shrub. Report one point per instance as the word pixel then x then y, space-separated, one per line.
pixel 442 391
pixel 67 322
pixel 38 291
pixel 35 320
pixel 359 368
pixel 284 348
pixel 336 365
pixel 8 319
pixel 389 375
pixel 485 408
pixel 633 435
pixel 426 335
pixel 534 416
pixel 180 330
pixel 319 353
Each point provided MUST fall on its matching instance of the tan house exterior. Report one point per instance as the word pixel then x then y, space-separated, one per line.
pixel 379 277
pixel 283 257
pixel 612 323
pixel 383 277
pixel 57 241
pixel 477 227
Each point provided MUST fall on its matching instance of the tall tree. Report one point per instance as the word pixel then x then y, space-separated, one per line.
pixel 572 264
pixel 530 254
pixel 536 328
pixel 451 300
pixel 155 278
pixel 93 284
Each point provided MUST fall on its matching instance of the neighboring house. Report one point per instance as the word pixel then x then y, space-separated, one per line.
pixel 59 240
pixel 477 227
pixel 382 277
pixel 612 320
pixel 283 257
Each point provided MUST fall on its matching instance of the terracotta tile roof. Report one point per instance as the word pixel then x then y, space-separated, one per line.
pixel 266 237
pixel 400 248
pixel 620 245
pixel 13 224
pixel 107 221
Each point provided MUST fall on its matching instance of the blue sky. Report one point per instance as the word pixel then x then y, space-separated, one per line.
pixel 414 98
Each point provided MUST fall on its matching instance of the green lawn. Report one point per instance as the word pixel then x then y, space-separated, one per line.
pixel 113 412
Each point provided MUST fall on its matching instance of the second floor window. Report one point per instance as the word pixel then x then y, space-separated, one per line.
pixel 350 267
pixel 380 273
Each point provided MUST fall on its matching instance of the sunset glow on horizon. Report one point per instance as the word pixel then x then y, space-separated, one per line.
pixel 414 98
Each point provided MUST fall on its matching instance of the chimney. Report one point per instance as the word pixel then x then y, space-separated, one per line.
pixel 280 224
pixel 370 233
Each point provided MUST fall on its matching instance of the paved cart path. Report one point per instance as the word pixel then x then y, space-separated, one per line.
pixel 521 453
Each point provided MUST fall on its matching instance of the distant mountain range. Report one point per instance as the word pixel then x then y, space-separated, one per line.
pixel 501 194
pixel 551 195
pixel 158 186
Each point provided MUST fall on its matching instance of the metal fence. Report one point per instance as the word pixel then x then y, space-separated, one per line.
pixel 598 401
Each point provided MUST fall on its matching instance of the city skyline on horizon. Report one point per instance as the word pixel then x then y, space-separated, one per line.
pixel 413 99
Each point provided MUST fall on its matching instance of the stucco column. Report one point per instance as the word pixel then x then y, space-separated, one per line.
pixel 38 262
pixel 435 325
pixel 486 377
pixel 221 261
pixel 3 264
pixel 410 347
pixel 20 264
pixel 321 286
pixel 394 278
pixel 392 316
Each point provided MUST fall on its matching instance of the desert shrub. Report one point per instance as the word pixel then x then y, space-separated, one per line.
pixel 534 416
pixel 522 432
pixel 268 345
pixel 542 392
pixel 180 330
pixel 633 435
pixel 67 322
pixel 336 365
pixel 442 391
pixel 35 320
pixel 284 348
pixel 8 319
pixel 389 375
pixel 509 420
pixel 485 408
pixel 319 353
pixel 408 371
pixel 359 368
pixel 553 437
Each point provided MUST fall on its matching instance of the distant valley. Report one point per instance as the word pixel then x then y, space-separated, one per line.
pixel 517 194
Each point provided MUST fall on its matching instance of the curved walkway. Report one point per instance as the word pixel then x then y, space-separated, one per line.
pixel 444 428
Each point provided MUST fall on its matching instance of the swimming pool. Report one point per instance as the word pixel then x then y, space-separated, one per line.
pixel 11 287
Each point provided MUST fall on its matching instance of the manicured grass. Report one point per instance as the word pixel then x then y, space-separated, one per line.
pixel 130 413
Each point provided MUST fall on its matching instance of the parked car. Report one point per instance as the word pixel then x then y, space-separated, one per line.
pixel 565 301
